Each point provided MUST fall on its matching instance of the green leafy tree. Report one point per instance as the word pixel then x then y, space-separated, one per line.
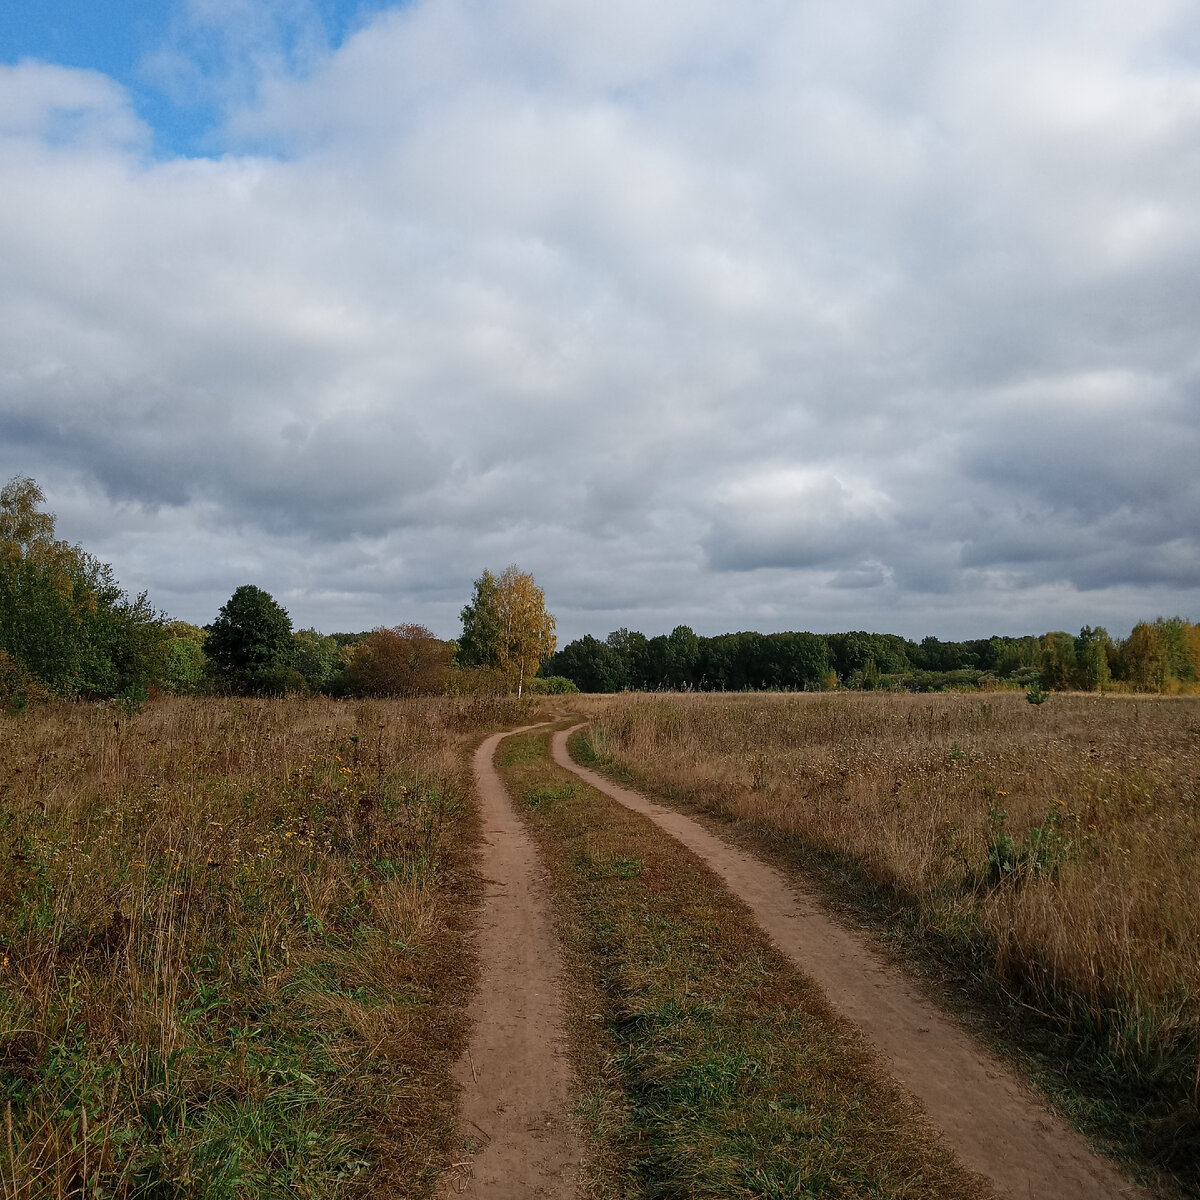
pixel 479 645
pixel 632 648
pixel 63 616
pixel 249 645
pixel 1056 662
pixel 42 597
pixel 803 659
pixel 1177 650
pixel 183 666
pixel 674 658
pixel 318 658
pixel 1093 647
pixel 1142 658
pixel 850 653
pixel 591 665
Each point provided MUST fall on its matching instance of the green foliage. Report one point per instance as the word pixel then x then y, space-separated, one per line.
pixel 592 665
pixel 1093 648
pixel 1159 656
pixel 675 657
pixel 19 687
pixel 538 797
pixel 318 658
pixel 482 632
pixel 1178 659
pixel 632 648
pixel 62 614
pixel 869 679
pixel 1056 662
pixel 1036 694
pixel 551 685
pixel 851 652
pixel 1163 655
pixel 250 646
pixel 1040 852
pixel 183 670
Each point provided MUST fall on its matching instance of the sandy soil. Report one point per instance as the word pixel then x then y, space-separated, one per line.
pixel 992 1121
pixel 515 1103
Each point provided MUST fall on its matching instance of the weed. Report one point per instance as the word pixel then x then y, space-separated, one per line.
pixel 540 796
pixel 1041 851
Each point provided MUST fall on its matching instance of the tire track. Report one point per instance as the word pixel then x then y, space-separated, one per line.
pixel 515 1107
pixel 992 1121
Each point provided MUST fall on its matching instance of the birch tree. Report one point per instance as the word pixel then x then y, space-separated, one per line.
pixel 507 627
pixel 528 627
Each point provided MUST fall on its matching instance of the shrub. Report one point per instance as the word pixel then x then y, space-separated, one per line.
pixel 18 685
pixel 404 661
pixel 552 685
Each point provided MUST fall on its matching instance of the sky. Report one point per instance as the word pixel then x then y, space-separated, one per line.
pixel 773 315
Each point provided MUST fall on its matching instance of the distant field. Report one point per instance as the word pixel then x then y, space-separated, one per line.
pixel 232 945
pixel 1048 854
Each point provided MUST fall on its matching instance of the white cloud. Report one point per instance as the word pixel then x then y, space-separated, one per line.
pixel 59 106
pixel 765 315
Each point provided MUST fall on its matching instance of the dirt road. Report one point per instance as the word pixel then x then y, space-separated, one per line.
pixel 991 1120
pixel 515 1078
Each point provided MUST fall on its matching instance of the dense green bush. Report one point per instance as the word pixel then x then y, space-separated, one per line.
pixel 551 685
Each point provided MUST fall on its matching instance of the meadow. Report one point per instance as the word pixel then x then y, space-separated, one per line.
pixel 234 945
pixel 1043 858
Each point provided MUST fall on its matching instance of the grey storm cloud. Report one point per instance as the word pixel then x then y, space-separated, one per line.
pixel 766 315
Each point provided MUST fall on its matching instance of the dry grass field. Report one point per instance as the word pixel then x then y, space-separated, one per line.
pixel 233 951
pixel 1049 853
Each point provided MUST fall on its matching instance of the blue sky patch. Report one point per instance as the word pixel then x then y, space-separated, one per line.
pixel 182 63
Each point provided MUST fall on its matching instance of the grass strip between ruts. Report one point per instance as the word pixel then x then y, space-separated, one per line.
pixel 708 1066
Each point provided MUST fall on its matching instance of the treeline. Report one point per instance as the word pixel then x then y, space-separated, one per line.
pixel 67 629
pixel 1158 656
pixel 250 649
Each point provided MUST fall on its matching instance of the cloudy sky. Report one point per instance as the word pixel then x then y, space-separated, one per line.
pixel 778 314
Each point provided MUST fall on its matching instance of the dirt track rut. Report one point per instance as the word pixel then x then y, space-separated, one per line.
pixel 993 1122
pixel 516 1103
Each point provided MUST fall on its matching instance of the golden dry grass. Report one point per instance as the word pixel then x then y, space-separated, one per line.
pixel 1054 848
pixel 233 952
